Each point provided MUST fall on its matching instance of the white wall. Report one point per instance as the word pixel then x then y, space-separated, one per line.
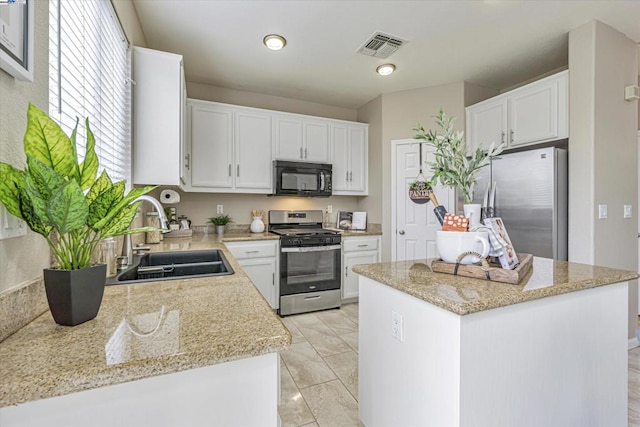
pixel 23 258
pixel 603 159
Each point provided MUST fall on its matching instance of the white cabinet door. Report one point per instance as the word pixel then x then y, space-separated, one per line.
pixel 262 272
pixel 185 146
pixel 350 279
pixel 288 138
pixel 211 146
pixel 158 124
pixel 487 123
pixel 340 155
pixel 316 141
pixel 253 166
pixel 358 150
pixel 533 114
pixel 349 158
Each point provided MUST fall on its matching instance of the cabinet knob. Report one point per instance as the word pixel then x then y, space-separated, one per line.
pixel 187 161
pixel 503 135
pixel 401 232
pixel 229 169
pixel 351 176
pixel 346 271
pixel 238 170
pixel 511 136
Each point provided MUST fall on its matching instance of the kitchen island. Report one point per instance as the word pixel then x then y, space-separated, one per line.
pixel 177 352
pixel 438 349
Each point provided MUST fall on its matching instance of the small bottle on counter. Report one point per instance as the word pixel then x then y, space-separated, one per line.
pixel 108 255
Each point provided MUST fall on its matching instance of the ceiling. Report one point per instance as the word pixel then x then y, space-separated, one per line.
pixel 492 43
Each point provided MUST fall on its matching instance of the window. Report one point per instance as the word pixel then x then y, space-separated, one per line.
pixel 89 70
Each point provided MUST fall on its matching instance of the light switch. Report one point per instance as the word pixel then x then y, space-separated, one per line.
pixel 602 211
pixel 10 226
pixel 628 211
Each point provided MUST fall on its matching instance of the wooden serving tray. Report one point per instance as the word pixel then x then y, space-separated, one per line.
pixel 495 271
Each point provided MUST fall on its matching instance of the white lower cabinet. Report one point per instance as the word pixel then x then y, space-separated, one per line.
pixel 357 250
pixel 259 260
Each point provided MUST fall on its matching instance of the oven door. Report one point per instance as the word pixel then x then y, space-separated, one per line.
pixel 309 269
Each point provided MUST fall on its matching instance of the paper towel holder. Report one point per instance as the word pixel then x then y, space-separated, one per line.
pixel 169 197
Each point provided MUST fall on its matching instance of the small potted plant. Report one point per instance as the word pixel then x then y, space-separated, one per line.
pixel 452 165
pixel 73 208
pixel 220 222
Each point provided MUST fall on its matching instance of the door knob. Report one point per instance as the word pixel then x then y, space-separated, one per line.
pixel 401 232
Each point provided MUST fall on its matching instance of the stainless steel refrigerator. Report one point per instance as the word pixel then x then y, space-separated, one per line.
pixel 531 198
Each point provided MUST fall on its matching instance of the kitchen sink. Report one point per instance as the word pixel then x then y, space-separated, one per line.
pixel 159 266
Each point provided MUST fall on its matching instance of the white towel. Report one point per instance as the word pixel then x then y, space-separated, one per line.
pixel 498 244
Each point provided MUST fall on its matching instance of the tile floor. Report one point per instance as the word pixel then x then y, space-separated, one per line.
pixel 319 372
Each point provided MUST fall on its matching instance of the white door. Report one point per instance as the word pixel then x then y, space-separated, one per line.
pixel 287 138
pixel 533 114
pixel 350 280
pixel 415 224
pixel 211 146
pixel 254 169
pixel 262 272
pixel 316 141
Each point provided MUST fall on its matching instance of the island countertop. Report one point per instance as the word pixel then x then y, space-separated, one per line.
pixel 143 330
pixel 463 295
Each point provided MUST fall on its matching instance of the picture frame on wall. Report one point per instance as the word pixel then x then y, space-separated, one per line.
pixel 16 38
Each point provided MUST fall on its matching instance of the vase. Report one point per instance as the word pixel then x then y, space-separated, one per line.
pixel 257 226
pixel 220 229
pixel 75 296
pixel 473 212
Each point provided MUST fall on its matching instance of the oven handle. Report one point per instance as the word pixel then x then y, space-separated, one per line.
pixel 311 249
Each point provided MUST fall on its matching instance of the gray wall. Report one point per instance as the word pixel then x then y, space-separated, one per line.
pixel 603 160
pixel 23 258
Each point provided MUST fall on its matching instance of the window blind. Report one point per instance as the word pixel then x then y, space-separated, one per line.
pixel 89 76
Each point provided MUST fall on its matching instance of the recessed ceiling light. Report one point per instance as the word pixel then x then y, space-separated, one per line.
pixel 385 69
pixel 274 41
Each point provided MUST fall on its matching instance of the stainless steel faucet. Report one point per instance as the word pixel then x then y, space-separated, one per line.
pixel 127 248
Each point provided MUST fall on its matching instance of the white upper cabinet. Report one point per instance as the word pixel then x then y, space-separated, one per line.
pixel 487 123
pixel 159 155
pixel 230 148
pixel 302 139
pixel 349 151
pixel 211 146
pixel 532 114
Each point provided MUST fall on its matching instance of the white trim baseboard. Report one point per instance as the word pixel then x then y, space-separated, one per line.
pixel 633 343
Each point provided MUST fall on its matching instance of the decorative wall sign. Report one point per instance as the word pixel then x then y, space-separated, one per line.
pixel 16 38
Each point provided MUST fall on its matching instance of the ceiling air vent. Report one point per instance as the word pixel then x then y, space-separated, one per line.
pixel 381 45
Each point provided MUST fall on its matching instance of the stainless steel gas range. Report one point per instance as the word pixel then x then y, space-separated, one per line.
pixel 310 262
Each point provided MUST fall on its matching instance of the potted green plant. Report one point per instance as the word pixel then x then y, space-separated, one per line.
pixel 73 208
pixel 220 222
pixel 453 166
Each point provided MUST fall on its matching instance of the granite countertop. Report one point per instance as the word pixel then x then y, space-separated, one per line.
pixel 143 330
pixel 463 295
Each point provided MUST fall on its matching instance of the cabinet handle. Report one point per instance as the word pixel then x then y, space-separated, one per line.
pixel 363 245
pixel 187 159
pixel 238 170
pixel 301 153
pixel 273 279
pixel 347 178
pixel 229 169
pixel 251 252
pixel 305 153
pixel 346 271
pixel 512 136
pixel 351 176
pixel 503 135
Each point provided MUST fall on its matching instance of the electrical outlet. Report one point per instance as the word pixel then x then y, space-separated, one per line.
pixel 10 226
pixel 330 209
pixel 628 211
pixel 397 326
pixel 220 209
pixel 602 211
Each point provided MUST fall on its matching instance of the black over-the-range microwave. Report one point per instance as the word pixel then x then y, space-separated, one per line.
pixel 301 179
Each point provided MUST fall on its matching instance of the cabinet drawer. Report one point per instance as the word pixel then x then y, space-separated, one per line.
pixel 253 249
pixel 351 245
